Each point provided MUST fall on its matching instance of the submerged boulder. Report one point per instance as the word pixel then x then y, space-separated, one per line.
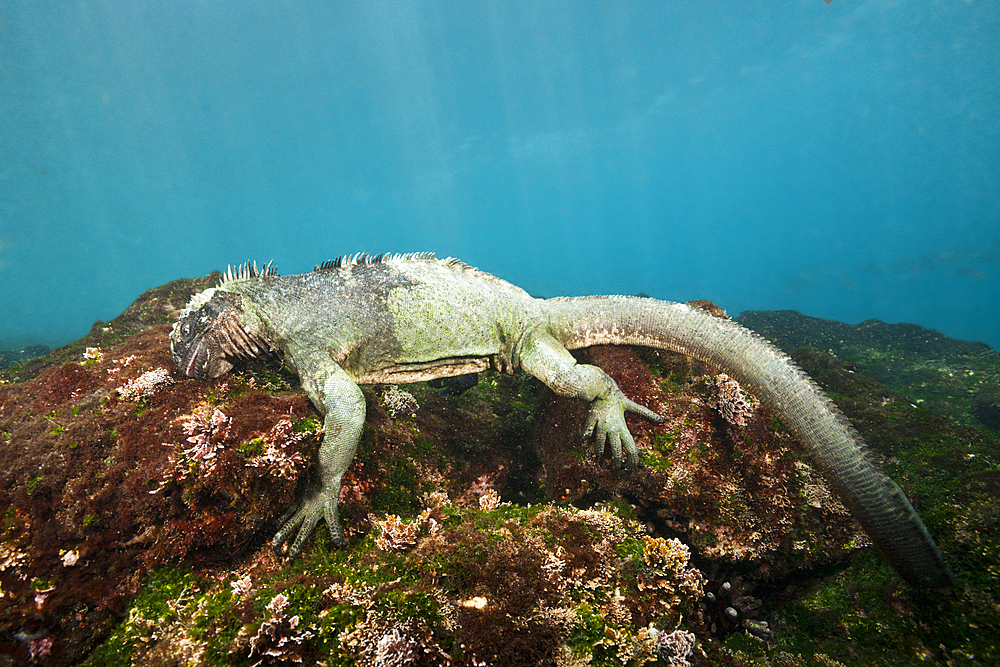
pixel 138 504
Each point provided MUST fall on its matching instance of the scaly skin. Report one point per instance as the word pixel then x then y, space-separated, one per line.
pixel 413 318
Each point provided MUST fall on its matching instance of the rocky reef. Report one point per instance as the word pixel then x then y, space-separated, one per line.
pixel 16 356
pixel 137 505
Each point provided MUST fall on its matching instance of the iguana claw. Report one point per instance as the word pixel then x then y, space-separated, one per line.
pixel 606 423
pixel 317 502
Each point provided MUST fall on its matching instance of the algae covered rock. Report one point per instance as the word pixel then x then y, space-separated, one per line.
pixel 138 504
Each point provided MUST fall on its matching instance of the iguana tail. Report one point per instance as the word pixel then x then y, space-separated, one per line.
pixel 878 504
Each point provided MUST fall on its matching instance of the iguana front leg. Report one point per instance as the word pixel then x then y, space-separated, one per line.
pixel 545 358
pixel 334 393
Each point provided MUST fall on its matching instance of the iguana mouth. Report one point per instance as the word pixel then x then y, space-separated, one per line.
pixel 190 369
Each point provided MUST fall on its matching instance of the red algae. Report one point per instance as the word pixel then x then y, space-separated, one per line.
pixel 736 493
pixel 129 489
pixel 80 466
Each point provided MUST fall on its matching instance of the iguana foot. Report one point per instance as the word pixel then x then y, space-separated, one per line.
pixel 317 502
pixel 606 423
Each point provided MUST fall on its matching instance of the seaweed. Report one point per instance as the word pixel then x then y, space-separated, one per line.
pixel 137 505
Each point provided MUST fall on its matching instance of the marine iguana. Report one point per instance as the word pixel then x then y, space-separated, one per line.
pixel 398 319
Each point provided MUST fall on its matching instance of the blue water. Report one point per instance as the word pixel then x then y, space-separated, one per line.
pixel 842 160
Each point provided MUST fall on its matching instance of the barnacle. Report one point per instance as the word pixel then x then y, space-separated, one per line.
pixel 728 606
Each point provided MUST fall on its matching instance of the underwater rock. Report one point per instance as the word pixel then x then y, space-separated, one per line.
pixel 137 505
pixel 11 357
pixel 987 412
pixel 955 378
pixel 735 493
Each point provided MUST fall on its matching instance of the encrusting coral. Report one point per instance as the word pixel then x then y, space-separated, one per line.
pixel 137 506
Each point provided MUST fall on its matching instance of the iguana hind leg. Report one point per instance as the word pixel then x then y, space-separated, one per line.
pixel 545 358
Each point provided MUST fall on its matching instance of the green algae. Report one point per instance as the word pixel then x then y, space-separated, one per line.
pixel 957 379
pixel 157 602
pixel 863 614
pixel 391 589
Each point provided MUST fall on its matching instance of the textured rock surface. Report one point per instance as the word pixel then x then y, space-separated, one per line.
pixel 137 505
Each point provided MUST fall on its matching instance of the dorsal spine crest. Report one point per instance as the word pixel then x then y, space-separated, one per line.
pixel 361 258
pixel 247 271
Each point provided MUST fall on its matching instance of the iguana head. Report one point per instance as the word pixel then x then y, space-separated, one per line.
pixel 210 335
